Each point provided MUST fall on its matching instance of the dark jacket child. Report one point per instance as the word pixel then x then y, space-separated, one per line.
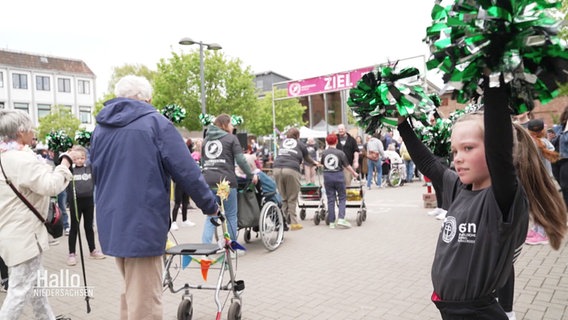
pixel 334 162
pixel 489 195
pixel 80 192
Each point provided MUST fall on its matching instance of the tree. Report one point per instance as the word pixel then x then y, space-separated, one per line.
pixel 119 72
pixel 288 113
pixel 60 118
pixel 228 87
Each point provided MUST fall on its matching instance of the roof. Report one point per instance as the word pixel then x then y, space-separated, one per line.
pixel 266 73
pixel 43 62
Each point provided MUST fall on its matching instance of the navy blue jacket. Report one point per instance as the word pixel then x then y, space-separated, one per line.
pixel 135 151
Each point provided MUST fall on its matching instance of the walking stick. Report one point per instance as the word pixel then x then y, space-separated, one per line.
pixel 87 297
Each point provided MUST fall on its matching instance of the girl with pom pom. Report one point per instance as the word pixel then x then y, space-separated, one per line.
pixel 490 194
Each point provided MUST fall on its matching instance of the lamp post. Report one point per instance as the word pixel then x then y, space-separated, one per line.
pixel 210 46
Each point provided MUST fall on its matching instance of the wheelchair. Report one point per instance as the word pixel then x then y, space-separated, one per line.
pixel 260 212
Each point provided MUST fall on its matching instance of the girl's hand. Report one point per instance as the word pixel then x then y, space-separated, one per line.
pixel 401 119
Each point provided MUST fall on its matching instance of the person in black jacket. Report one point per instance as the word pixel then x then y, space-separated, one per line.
pixel 348 144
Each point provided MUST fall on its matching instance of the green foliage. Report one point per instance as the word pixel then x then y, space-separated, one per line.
pixel 60 118
pixel 228 87
pixel 288 113
pixel 127 69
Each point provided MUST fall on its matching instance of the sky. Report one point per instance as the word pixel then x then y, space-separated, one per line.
pixel 297 39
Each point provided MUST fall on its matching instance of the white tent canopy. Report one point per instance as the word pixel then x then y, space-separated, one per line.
pixel 306 132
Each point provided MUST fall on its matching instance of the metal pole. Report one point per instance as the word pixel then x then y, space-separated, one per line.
pixel 202 76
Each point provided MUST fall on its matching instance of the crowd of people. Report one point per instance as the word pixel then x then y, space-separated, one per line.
pixel 133 226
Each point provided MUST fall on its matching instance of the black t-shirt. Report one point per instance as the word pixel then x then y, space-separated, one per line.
pixel 333 160
pixel 291 153
pixel 484 229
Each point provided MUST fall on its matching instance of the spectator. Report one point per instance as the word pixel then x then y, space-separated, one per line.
pixel 375 157
pixel 81 191
pixel 348 145
pixel 309 169
pixel 24 237
pixel 135 151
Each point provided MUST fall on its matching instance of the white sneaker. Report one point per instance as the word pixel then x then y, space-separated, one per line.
pixel 511 315
pixel 174 226
pixel 442 215
pixel 435 212
pixel 188 223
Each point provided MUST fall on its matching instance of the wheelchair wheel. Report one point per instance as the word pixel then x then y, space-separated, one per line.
pixel 234 311
pixel 316 218
pixel 271 226
pixel 394 178
pixel 185 310
pixel 303 214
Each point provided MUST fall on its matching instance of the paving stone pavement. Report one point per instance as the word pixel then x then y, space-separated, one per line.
pixel 380 270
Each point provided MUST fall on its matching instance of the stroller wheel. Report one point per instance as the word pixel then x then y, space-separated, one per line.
pixel 303 214
pixel 185 310
pixel 234 311
pixel 316 218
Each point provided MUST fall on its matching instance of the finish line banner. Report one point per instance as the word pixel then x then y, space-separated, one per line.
pixel 328 83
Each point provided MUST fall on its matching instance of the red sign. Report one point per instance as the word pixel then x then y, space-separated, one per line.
pixel 329 83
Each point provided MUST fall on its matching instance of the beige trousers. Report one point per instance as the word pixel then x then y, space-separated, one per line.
pixel 142 295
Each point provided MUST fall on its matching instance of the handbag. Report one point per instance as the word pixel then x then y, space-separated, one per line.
pixel 54 222
pixel 248 207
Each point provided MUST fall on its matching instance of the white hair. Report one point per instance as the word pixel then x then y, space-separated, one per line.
pixel 13 122
pixel 133 87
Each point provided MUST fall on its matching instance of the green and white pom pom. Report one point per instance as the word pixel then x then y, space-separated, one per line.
pixel 83 137
pixel 517 41
pixel 174 112
pixel 58 141
pixel 381 96
pixel 236 120
pixel 206 119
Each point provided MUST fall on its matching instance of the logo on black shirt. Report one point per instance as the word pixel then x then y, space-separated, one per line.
pixel 449 229
pixel 213 149
pixel 289 143
pixel 331 162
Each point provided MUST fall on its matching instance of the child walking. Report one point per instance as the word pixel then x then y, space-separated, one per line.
pixel 490 197
pixel 81 191
pixel 334 161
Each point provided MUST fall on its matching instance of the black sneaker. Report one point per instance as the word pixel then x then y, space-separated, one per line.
pixel 4 285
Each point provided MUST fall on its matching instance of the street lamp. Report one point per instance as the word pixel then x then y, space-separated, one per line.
pixel 210 46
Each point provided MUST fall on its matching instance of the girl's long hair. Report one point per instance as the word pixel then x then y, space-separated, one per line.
pixel 546 205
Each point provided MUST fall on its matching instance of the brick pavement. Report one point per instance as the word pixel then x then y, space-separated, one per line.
pixel 380 270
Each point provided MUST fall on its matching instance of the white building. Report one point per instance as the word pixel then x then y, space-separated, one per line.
pixel 34 83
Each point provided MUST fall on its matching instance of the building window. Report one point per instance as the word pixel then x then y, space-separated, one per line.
pixel 43 110
pixel 22 106
pixel 259 84
pixel 1 79
pixel 42 83
pixel 20 81
pixel 85 114
pixel 84 87
pixel 63 84
pixel 1 104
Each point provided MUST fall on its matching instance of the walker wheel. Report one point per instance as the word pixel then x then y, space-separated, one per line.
pixel 316 218
pixel 185 310
pixel 327 222
pixel 247 235
pixel 303 214
pixel 234 311
pixel 359 218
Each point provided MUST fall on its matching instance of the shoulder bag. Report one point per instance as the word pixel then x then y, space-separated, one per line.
pixel 54 222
